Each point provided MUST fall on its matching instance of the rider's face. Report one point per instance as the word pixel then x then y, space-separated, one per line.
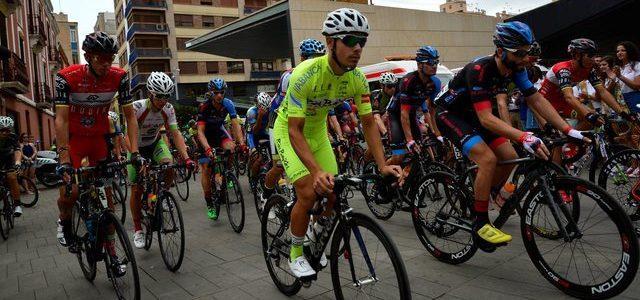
pixel 217 96
pixel 100 63
pixel 587 60
pixel 390 90
pixel 348 55
pixel 5 132
pixel 519 58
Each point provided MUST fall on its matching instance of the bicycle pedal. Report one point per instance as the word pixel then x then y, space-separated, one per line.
pixel 306 280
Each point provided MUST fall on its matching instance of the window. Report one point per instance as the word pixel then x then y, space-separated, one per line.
pixel 213 67
pixel 73 33
pixel 206 2
pixel 234 67
pixel 188 67
pixel 229 3
pixel 261 65
pixel 181 43
pixel 184 20
pixel 207 22
pixel 21 45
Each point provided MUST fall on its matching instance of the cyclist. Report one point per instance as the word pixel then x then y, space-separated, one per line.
pixel 309 48
pixel 380 99
pixel 84 94
pixel 212 133
pixel 316 86
pixel 152 114
pixel 416 88
pixel 464 114
pixel 258 119
pixel 10 160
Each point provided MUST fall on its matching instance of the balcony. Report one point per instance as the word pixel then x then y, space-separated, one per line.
pixel 14 78
pixel 13 5
pixel 144 4
pixel 149 53
pixel 147 28
pixel 265 75
pixel 37 33
pixel 251 9
pixel 42 97
pixel 55 62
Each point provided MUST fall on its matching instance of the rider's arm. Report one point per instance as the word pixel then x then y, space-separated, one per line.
pixel 258 126
pixel 179 142
pixel 17 156
pixel 132 127
pixel 237 131
pixel 372 137
pixel 544 109
pixel 503 108
pixel 381 127
pixel 430 117
pixel 582 109
pixel 333 120
pixel 405 121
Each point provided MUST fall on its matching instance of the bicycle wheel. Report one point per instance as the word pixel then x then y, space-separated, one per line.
pixel 615 179
pixel 234 203
pixel 443 224
pixel 170 231
pixel 598 258
pixel 119 202
pixel 257 193
pixel 381 207
pixel 362 250
pixel 28 185
pixel 84 242
pixel 275 245
pixel 356 159
pixel 182 187
pixel 127 285
pixel 4 226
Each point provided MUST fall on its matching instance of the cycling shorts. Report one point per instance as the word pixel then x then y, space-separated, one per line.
pixel 158 152
pixel 320 147
pixel 219 139
pixel 398 140
pixel 466 132
pixel 95 149
pixel 8 163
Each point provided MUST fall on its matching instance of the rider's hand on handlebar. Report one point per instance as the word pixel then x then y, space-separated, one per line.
pixel 64 170
pixel 413 147
pixel 394 170
pixel 323 183
pixel 534 145
pixel 137 160
pixel 190 164
pixel 594 119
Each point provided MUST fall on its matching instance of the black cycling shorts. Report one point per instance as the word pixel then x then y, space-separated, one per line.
pixel 466 132
pixel 398 140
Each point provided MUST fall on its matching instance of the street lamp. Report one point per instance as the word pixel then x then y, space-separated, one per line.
pixel 176 74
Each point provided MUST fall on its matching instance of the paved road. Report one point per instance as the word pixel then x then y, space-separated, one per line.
pixel 221 264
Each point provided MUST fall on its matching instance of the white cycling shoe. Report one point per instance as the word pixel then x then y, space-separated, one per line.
pixel 301 268
pixel 138 239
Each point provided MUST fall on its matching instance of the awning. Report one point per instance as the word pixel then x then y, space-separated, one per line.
pixel 264 34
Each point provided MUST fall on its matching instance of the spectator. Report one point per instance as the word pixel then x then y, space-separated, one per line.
pixel 28 157
pixel 628 73
pixel 608 78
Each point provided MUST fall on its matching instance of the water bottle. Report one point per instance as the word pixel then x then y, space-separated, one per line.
pixel 90 222
pixel 152 200
pixel 505 192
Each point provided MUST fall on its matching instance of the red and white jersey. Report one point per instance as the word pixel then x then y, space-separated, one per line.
pixel 89 98
pixel 564 75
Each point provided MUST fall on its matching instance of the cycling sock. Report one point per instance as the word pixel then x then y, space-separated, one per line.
pixel 266 192
pixel 481 208
pixel 296 247
pixel 209 201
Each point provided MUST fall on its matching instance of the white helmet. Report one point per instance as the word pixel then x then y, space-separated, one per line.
pixel 388 78
pixel 6 122
pixel 263 100
pixel 114 116
pixel 160 83
pixel 345 20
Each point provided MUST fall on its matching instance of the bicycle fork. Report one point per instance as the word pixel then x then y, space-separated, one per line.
pixel 570 231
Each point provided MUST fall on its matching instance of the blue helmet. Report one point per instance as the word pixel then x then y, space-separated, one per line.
pixel 312 47
pixel 513 35
pixel 427 53
pixel 217 84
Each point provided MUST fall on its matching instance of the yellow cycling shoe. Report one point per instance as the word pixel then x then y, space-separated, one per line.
pixel 493 235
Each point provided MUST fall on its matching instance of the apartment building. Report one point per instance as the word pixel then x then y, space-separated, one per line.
pixel 152 35
pixel 68 37
pixel 29 55
pixel 106 22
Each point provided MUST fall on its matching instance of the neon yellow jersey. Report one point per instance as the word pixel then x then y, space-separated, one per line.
pixel 314 90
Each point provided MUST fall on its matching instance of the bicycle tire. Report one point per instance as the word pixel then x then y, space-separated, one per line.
pixel 459 209
pixel 628 265
pixel 278 256
pixel 109 219
pixel 119 202
pixel 257 193
pixel 168 202
pixel 83 243
pixel 28 183
pixel 380 207
pixel 183 192
pixel 232 183
pixel 621 184
pixel 342 235
pixel 4 226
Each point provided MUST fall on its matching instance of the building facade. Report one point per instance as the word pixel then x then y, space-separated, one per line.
pixel 106 22
pixel 29 52
pixel 152 35
pixel 68 37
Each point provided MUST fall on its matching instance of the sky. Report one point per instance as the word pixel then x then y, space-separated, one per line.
pixel 85 12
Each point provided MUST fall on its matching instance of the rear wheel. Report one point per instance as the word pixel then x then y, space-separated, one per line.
pixel 170 231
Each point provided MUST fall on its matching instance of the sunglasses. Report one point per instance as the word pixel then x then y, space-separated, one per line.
pixel 5 130
pixel 162 96
pixel 352 40
pixel 102 58
pixel 390 86
pixel 217 92
pixel 519 53
pixel 428 61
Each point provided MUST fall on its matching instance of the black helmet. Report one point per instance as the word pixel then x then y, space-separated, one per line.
pixel 99 42
pixel 582 46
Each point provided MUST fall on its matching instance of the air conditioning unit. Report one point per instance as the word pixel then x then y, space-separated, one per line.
pixel 160 27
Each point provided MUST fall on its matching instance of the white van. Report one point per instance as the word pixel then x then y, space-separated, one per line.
pixel 400 68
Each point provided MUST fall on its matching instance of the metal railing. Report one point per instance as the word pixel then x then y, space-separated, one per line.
pixel 14 69
pixel 146 28
pixel 148 53
pixel 36 27
pixel 144 4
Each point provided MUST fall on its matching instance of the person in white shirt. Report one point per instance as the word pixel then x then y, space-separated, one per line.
pixel 628 71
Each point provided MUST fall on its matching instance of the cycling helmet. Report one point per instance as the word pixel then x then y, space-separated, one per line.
pixel 512 35
pixel 344 21
pixel 6 122
pixel 427 53
pixel 388 78
pixel 113 116
pixel 311 47
pixel 263 100
pixel 582 46
pixel 99 42
pixel 160 83
pixel 217 84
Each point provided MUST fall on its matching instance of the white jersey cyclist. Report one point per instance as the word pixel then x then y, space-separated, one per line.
pixel 150 121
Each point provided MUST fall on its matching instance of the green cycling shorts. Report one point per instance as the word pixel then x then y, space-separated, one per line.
pixel 318 143
pixel 157 151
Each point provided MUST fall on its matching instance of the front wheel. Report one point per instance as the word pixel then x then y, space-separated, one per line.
pixel 596 255
pixel 28 190
pixel 361 247
pixel 119 255
pixel 182 183
pixel 119 202
pixel 170 231
pixel 84 241
pixel 234 202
